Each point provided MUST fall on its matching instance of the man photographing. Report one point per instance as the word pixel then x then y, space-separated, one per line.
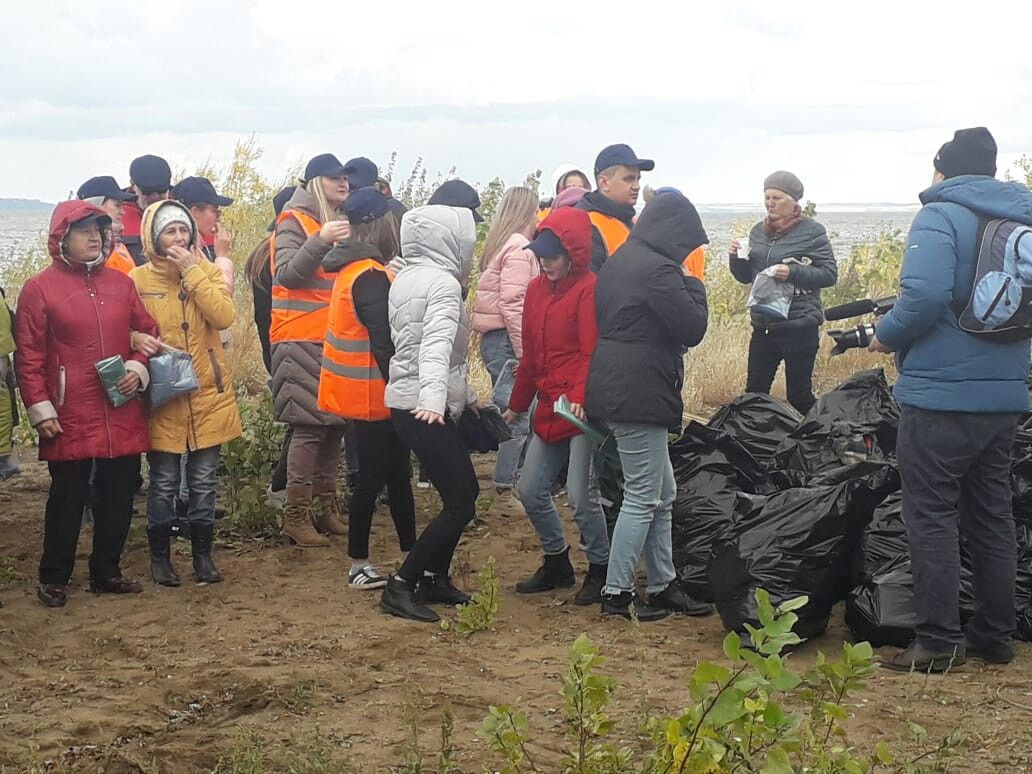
pixel 961 398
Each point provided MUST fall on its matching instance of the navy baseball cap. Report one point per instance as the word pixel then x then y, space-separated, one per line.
pixel 458 193
pixel 365 205
pixel 198 190
pixel 621 156
pixel 361 173
pixel 546 244
pixel 323 165
pixel 104 186
pixel 151 174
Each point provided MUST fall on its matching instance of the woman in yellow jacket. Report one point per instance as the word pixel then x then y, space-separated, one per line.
pixel 188 297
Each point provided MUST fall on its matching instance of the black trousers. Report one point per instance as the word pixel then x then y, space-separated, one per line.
pixel 446 461
pixel 279 473
pixel 956 481
pixel 115 484
pixel 383 460
pixel 799 353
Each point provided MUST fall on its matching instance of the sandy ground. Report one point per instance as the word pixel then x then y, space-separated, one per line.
pixel 166 681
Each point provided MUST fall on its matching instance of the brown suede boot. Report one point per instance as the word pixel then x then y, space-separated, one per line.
pixel 327 514
pixel 297 519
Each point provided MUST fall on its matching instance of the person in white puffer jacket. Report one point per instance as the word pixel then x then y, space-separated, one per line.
pixel 428 389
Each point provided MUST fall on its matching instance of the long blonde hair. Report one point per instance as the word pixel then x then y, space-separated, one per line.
pixel 516 210
pixel 326 213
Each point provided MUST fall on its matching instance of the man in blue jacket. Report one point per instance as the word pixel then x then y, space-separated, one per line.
pixel 961 398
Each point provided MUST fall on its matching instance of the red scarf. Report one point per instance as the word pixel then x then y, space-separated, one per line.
pixel 775 227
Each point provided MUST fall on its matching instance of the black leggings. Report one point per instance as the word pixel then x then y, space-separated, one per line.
pixel 383 460
pixel 445 459
pixel 799 351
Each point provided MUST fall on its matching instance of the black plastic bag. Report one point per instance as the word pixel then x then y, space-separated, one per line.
pixel 483 433
pixel 758 422
pixel 710 468
pixel 857 421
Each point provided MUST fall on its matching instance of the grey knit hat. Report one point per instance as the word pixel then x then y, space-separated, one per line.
pixel 785 182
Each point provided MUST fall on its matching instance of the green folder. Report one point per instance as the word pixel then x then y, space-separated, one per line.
pixel 596 433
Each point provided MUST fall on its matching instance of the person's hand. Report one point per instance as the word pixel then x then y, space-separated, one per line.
pixel 183 258
pixel 475 407
pixel 144 343
pixel 129 384
pixel 430 417
pixel 49 428
pixel 782 272
pixel 578 411
pixel 223 241
pixel 735 247
pixel 877 346
pixel 510 416
pixel 335 231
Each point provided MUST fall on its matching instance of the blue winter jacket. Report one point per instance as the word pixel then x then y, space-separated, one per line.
pixel 941 368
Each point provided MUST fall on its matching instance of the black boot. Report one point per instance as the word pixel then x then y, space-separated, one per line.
pixel 439 589
pixel 204 568
pixel 399 598
pixel 620 604
pixel 674 599
pixel 161 569
pixel 591 592
pixel 555 572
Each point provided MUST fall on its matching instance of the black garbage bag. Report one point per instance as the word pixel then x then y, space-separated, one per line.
pixel 856 421
pixel 1021 476
pixel 758 422
pixel 610 480
pixel 711 468
pixel 792 543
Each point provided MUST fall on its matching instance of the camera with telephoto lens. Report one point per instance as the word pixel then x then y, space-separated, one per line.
pixel 860 336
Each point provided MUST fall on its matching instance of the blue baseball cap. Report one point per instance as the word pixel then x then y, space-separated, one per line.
pixel 104 186
pixel 198 190
pixel 546 245
pixel 361 173
pixel 458 193
pixel 323 165
pixel 365 205
pixel 621 156
pixel 151 174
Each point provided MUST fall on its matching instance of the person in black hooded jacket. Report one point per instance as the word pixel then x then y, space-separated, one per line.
pixel 649 312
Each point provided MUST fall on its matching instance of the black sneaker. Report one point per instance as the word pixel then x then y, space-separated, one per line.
pixel 627 606
pixel 674 599
pixel 918 658
pixel 990 652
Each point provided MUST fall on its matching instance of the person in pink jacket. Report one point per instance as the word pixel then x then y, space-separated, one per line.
pixel 506 268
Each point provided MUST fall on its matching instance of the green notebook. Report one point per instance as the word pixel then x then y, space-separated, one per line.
pixel 595 432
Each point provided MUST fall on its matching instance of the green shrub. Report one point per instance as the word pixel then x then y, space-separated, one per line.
pixel 248 463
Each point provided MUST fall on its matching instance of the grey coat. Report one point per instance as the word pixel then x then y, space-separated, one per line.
pixel 429 325
pixel 296 364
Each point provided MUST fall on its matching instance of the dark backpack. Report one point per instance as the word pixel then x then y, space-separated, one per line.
pixel 1000 305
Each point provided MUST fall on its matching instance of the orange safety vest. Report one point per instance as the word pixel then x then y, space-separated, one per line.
pixel 350 382
pixel 543 212
pixel 614 231
pixel 120 259
pixel 299 314
pixel 695 264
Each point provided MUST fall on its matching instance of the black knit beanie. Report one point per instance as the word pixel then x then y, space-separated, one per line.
pixel 970 152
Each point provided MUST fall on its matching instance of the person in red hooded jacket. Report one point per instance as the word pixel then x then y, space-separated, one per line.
pixel 72 315
pixel 559 335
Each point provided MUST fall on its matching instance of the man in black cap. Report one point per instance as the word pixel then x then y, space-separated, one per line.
pixel 961 399
pixel 104 192
pixel 205 205
pixel 150 179
pixel 457 193
pixel 611 206
pixel 383 185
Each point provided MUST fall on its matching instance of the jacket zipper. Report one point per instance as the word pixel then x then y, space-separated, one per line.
pixel 103 351
pixel 186 347
pixel 218 371
pixel 61 385
pixel 996 301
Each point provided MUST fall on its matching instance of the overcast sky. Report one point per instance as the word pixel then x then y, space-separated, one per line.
pixel 855 98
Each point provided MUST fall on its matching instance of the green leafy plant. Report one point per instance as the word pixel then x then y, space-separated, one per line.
pixel 315 753
pixel 506 730
pixel 248 462
pixel 480 614
pixel 247 755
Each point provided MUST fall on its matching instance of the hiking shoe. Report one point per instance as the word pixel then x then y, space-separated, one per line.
pixel 591 592
pixel 626 605
pixel 555 572
pixel 918 658
pixel 674 599
pixel 52 594
pixel 990 652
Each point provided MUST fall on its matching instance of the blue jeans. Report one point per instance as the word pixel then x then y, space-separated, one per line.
pixel 201 477
pixel 543 463
pixel 500 360
pixel 642 529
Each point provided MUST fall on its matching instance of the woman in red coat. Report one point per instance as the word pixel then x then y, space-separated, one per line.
pixel 559 334
pixel 71 315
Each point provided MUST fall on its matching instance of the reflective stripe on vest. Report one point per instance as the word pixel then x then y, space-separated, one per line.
pixel 350 382
pixel 299 314
pixel 614 231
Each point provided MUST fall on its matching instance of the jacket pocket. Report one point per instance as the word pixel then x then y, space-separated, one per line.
pixel 219 385
pixel 62 384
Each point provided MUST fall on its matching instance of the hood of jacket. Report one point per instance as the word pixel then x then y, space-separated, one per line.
pixel 562 171
pixel 149 240
pixel 670 225
pixel 984 195
pixel 304 201
pixel 439 236
pixel 573 227
pixel 349 252
pixel 596 201
pixel 64 215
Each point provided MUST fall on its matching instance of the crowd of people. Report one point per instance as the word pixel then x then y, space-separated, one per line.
pixel 361 308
